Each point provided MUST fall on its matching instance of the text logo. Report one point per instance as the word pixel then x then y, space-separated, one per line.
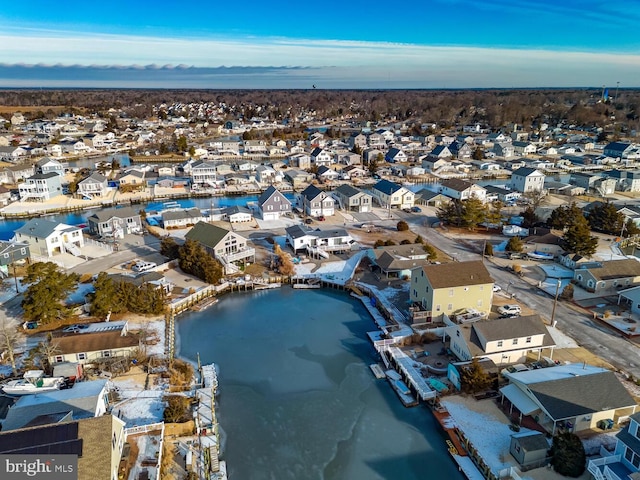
pixel 39 467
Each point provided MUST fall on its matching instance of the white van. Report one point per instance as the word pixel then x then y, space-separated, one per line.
pixel 143 266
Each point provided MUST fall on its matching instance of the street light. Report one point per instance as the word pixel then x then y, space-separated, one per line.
pixel 555 301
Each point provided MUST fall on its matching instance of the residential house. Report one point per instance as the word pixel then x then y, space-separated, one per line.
pixel 584 180
pixel 523 148
pixel 85 400
pixel 48 165
pixel 626 180
pixel 461 150
pixel 272 204
pixel 349 158
pixel 318 242
pixel 12 154
pixel 498 138
pixel 228 247
pixel 376 141
pixel 392 195
pixel 357 140
pixel 544 240
pixel 97 442
pixel 320 157
pixel 354 171
pixel 40 187
pixel 504 150
pixel 430 198
pixel 415 171
pixel 300 160
pixel 95 185
pixel 395 155
pixel 115 222
pixel 5 194
pixel 441 151
pixel 449 287
pixel 432 164
pixel 18 173
pixel 153 278
pixel 54 150
pixel 298 178
pixel 46 238
pixel 514 164
pixel 527 180
pixel 505 195
pixel 567 398
pixel 204 173
pixel 255 146
pixel 618 150
pixel 315 202
pixel 462 190
pixel 352 199
pixel 237 214
pixel 398 261
pixel 326 174
pixel 11 252
pixel 624 462
pixel 267 175
pixel 503 340
pixel 132 178
pixel 603 277
pixel 181 218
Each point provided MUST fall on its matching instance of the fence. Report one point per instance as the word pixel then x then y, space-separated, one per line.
pixel 151 427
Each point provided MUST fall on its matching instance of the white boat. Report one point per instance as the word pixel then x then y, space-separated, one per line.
pixel 540 256
pixel 33 381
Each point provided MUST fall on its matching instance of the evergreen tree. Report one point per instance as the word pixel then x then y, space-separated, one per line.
pixel 562 216
pixel 474 213
pixel 494 215
pixel 473 378
pixel 578 239
pixel 104 298
pixel 529 217
pixel 567 455
pixel 605 218
pixel 44 298
pixel 431 252
pixel 169 248
pixel 514 245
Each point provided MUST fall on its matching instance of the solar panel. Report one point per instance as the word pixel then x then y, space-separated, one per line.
pixel 38 437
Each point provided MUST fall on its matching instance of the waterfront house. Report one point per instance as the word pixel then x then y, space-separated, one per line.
pixel 431 164
pixel 504 150
pixel 503 340
pixel 441 152
pixel 527 180
pixel 505 195
pixel 132 178
pixel 155 279
pixel 267 174
pixel 318 242
pixel 624 462
pixel 272 204
pixel 237 214
pixel 94 346
pixel 17 173
pixel 315 202
pixel 254 146
pixel 398 260
pixel 204 173
pixel 618 150
pixel 352 199
pixel 449 287
pixel 97 442
pixel 607 276
pixel 626 180
pixel 46 238
pixel 47 165
pixel 115 222
pixel 353 171
pixel 12 154
pixel 40 187
pixel 326 174
pixel 300 160
pixel 523 148
pixel 85 400
pixel 462 190
pixel 320 157
pixel 392 195
pixel 572 397
pixel 229 248
pixel 181 218
pixel 298 178
pixel 395 155
pixel 95 185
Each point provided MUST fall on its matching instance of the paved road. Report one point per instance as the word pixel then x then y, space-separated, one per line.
pixel 573 321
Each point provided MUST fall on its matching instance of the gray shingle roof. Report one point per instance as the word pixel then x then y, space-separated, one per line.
pixel 37 228
pixel 506 328
pixel 104 215
pixel 347 190
pixel 457 274
pixel 581 395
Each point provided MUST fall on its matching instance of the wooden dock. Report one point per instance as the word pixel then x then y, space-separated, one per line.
pixel 377 371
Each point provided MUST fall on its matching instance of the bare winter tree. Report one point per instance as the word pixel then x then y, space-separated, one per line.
pixel 9 337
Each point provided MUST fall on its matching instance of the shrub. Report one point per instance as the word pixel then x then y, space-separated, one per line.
pixel 567 292
pixel 514 245
pixel 379 243
pixel 178 409
pixel 567 455
pixel 402 226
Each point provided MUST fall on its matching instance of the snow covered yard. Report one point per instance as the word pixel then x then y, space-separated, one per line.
pixel 137 405
pixel 486 427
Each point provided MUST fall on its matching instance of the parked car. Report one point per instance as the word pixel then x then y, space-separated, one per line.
pixel 321 218
pixel 77 328
pixel 496 287
pixel 510 310
pixel 308 221
pixel 415 209
pixel 143 266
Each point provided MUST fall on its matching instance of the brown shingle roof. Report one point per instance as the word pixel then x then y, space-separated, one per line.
pixel 457 274
pixel 616 269
pixel 93 342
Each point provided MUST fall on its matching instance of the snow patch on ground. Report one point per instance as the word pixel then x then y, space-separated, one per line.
pixel 138 406
pixel 488 432
pixel 561 339
pixel 156 338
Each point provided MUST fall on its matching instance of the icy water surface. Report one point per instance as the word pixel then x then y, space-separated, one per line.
pixel 298 400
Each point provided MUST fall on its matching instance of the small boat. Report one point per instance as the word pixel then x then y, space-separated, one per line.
pixel 540 256
pixel 33 381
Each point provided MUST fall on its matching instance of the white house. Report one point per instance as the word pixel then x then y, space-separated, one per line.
pixel 315 202
pixel 462 190
pixel 392 195
pixel 46 238
pixel 527 180
pixel 321 242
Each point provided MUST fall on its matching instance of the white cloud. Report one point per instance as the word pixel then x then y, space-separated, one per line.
pixel 377 64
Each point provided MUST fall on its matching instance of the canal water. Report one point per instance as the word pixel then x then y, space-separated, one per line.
pixel 298 400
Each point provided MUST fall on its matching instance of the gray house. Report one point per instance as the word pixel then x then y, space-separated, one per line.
pixel 41 187
pixel 115 221
pixel 47 165
pixel 273 204
pixel 11 252
pixel 94 185
pixel 353 200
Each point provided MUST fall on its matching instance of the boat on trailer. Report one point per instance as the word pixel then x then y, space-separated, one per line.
pixel 33 381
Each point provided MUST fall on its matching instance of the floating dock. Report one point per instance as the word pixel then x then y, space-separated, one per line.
pixel 377 371
pixel 401 388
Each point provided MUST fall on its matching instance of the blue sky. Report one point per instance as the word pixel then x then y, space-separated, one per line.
pixel 410 44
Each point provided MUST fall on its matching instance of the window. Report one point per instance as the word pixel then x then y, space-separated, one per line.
pixel 59 358
pixel 81 356
pixel 528 340
pixel 23 251
pixel 628 454
pixel 499 343
pixel 450 306
pixel 636 461
pixel 438 308
pixel 106 353
pixel 451 292
pixel 515 341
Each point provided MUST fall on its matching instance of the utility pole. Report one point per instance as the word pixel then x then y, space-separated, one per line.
pixel 555 302
pixel 615 99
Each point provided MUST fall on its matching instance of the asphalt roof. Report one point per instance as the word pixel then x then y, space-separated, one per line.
pixel 457 274
pixel 518 327
pixel 38 227
pixel 93 342
pixel 206 234
pixel 348 190
pixel 107 214
pixel 456 184
pixel 526 171
pixel 387 187
pixel 581 395
pixel 616 269
pixel 311 192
